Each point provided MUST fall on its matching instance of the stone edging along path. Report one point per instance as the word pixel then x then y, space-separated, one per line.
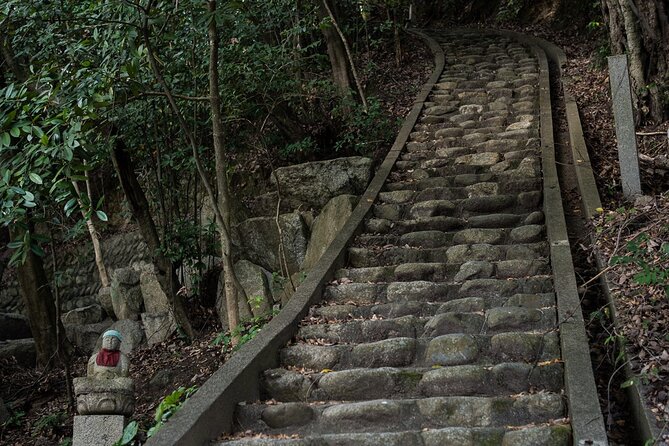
pixel 210 411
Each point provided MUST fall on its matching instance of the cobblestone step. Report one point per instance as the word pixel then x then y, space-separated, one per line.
pixel 555 435
pixel 371 381
pixel 333 312
pixel 424 352
pixel 397 415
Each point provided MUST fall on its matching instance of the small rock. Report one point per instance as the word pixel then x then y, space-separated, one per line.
pixel 162 379
pixel 452 349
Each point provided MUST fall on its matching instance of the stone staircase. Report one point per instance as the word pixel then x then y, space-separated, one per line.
pixel 442 329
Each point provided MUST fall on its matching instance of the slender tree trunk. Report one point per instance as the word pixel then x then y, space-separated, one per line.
pixel 40 306
pixel 232 299
pixel 349 55
pixel 337 55
pixel 139 206
pixel 615 24
pixel 62 356
pixel 222 219
pixel 97 250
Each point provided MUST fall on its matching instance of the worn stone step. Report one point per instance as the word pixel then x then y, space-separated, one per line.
pixel 467 207
pixel 343 312
pixel 391 255
pixel 493 320
pixel 392 382
pixel 446 224
pixel 399 415
pixel 439 239
pixel 408 351
pixel 549 435
pixel 423 290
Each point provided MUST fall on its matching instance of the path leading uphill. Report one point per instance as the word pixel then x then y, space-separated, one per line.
pixel 444 327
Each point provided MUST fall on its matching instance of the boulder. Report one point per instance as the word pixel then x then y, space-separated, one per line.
pixel 158 327
pixel 126 294
pixel 317 182
pixel 14 326
pixel 132 332
pixel 261 241
pixel 154 298
pixel 90 314
pixel 85 337
pixel 23 350
pixel 327 225
pixel 254 280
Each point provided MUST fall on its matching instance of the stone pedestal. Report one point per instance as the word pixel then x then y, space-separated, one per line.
pixel 105 396
pixel 97 430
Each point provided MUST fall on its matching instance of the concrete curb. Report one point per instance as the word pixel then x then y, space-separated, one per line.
pixel 209 413
pixel 584 411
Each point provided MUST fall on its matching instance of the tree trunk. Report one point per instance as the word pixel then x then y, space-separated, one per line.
pixel 654 27
pixel 233 296
pixel 40 306
pixel 348 53
pixel 99 261
pixel 634 55
pixel 139 206
pixel 336 53
pixel 615 24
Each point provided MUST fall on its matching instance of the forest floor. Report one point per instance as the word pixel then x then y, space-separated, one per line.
pixel 40 410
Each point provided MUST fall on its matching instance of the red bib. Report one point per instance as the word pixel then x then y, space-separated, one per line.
pixel 108 358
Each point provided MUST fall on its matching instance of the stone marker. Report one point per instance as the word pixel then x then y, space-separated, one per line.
pixel 105 397
pixel 625 132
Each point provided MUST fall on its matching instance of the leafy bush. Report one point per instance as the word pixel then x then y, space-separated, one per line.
pixel 362 132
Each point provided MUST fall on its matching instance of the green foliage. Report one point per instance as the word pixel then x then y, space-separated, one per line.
pixel 48 423
pixel 362 132
pixel 67 441
pixel 305 146
pixel 245 331
pixel 651 258
pixel 169 406
pixel 129 434
pixel 15 418
pixel 509 10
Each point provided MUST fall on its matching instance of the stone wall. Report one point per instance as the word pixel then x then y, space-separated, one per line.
pixel 80 280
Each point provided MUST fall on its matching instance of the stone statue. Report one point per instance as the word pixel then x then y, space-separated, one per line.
pixel 106 390
pixel 110 361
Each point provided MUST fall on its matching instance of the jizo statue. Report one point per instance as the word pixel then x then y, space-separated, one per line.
pixel 110 361
pixel 107 389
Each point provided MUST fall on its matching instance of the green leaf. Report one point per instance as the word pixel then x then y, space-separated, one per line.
pixel 628 383
pixel 29 204
pixel 35 178
pixel 5 139
pixel 15 244
pixel 70 204
pixel 101 215
pixel 15 132
pixel 37 250
pixel 129 434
